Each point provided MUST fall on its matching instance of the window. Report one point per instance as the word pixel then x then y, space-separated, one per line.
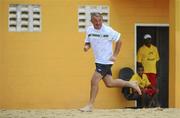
pixel 24 18
pixel 84 15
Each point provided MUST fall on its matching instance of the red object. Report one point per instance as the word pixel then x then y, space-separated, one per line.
pixel 150 91
pixel 152 78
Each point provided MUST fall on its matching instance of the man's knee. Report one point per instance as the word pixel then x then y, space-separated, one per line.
pixel 108 81
pixel 109 84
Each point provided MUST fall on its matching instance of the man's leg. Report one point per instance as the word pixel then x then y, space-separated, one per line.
pixel 109 82
pixel 156 101
pixel 93 93
pixel 147 100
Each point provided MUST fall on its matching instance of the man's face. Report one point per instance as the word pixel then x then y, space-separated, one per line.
pixel 97 22
pixel 140 71
pixel 147 42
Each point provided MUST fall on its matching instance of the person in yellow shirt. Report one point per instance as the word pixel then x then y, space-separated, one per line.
pixel 141 78
pixel 144 84
pixel 148 56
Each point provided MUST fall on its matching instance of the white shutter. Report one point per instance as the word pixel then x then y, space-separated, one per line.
pixel 84 15
pixel 24 18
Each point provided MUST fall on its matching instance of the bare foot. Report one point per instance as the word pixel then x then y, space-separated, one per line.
pixel 136 87
pixel 87 108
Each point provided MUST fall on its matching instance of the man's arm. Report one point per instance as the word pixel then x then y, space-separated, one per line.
pixel 87 46
pixel 116 50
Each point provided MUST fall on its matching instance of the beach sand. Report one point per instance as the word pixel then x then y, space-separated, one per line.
pixel 97 113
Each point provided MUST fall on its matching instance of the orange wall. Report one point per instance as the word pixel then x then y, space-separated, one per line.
pixel 177 47
pixel 174 53
pixel 50 70
pixel 0 45
pixel 172 90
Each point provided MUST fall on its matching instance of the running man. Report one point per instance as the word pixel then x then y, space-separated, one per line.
pixel 100 37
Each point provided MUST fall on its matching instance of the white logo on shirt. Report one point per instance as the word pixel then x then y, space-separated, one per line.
pixel 99 69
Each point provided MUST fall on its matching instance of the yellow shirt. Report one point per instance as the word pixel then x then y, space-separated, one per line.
pixel 148 57
pixel 142 82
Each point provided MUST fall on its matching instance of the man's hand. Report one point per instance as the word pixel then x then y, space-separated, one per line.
pixel 86 47
pixel 113 58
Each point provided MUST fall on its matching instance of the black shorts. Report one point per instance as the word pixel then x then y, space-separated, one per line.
pixel 104 69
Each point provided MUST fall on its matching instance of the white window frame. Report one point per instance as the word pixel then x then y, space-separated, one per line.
pixel 31 23
pixel 87 10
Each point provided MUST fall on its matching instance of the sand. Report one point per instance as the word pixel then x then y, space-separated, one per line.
pixel 97 113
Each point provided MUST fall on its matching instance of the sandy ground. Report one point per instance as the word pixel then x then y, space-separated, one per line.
pixel 97 113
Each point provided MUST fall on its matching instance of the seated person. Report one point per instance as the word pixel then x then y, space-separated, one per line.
pixel 147 90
